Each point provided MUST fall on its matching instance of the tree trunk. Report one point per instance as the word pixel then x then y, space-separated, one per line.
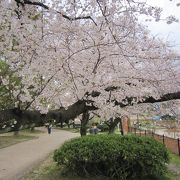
pixel 61 124
pixel 113 123
pixel 112 128
pixel 84 122
pixel 121 127
pixel 68 125
pixel 32 129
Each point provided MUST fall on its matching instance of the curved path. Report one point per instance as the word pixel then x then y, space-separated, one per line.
pixel 18 159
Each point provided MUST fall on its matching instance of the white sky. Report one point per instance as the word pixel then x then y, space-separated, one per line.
pixel 169 32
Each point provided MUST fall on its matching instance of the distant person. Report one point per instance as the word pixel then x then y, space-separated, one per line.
pixel 49 128
pixel 96 130
pixel 93 129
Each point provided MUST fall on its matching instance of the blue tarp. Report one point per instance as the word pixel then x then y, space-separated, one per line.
pixel 156 118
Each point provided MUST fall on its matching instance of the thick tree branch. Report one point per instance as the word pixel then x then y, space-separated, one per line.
pixel 35 117
pixel 26 117
pixel 72 111
pixel 129 101
pixel 40 4
pixel 22 3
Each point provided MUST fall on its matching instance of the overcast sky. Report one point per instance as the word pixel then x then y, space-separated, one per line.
pixel 169 32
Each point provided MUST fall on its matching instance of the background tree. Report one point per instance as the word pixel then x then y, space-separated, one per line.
pixel 9 83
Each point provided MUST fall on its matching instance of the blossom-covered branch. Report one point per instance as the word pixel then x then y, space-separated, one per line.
pixel 130 101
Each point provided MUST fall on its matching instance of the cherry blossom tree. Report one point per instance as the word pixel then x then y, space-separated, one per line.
pixel 94 54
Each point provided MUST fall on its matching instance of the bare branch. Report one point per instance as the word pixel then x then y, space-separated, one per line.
pixel 40 4
pixel 38 93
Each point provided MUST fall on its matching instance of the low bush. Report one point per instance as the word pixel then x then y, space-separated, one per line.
pixel 115 156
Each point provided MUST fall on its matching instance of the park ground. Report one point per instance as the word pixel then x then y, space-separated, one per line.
pixel 48 170
pixel 16 160
pixel 32 158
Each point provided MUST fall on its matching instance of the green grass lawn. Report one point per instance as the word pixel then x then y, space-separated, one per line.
pixel 6 141
pixel 29 132
pixel 74 130
pixel 174 159
pixel 9 139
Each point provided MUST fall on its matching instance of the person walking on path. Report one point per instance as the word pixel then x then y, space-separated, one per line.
pixel 49 128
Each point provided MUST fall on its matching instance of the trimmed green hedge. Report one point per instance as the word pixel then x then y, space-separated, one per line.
pixel 115 156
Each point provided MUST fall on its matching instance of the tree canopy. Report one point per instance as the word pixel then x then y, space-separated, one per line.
pixel 93 51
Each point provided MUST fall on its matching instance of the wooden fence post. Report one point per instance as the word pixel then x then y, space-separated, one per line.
pixel 152 134
pixel 178 146
pixel 163 139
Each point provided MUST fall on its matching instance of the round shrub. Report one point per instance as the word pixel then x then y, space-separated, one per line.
pixel 115 156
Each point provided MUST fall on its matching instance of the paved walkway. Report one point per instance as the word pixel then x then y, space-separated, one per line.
pixel 174 168
pixel 18 159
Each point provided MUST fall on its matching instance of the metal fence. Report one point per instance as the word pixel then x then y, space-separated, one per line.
pixel 172 144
